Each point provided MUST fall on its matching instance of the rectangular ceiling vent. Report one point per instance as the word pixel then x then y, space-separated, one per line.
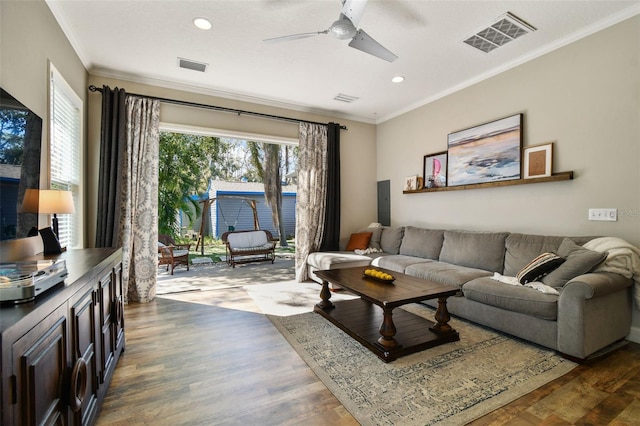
pixel 345 98
pixel 192 65
pixel 506 28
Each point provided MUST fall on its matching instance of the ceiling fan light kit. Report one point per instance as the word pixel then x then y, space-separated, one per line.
pixel 346 27
pixel 342 29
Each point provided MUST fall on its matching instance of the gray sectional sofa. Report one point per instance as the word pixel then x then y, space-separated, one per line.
pixel 590 310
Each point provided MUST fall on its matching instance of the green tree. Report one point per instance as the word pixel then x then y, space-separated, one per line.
pixel 186 164
pixel 12 132
pixel 265 158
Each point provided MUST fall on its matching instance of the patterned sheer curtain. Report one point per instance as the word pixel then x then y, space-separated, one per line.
pixel 311 194
pixel 139 210
pixel 128 188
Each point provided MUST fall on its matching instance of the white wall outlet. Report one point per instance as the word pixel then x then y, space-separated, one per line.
pixel 607 215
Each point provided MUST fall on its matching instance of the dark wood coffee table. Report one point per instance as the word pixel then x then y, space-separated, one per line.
pixel 372 321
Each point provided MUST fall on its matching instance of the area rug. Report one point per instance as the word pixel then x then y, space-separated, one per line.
pixel 451 384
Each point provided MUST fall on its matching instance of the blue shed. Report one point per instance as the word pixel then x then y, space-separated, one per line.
pixel 232 208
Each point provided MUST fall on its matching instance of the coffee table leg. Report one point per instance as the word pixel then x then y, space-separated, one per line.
pixel 325 295
pixel 387 330
pixel 442 317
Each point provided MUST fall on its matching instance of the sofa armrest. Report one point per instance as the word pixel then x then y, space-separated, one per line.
pixel 595 284
pixel 594 310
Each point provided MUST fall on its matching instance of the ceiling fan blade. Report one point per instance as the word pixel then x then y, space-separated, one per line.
pixel 353 9
pixel 363 41
pixel 294 36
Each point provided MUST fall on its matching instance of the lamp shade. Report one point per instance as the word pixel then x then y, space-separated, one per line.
pixel 47 201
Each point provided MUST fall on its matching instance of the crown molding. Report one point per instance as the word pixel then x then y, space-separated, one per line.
pixel 571 38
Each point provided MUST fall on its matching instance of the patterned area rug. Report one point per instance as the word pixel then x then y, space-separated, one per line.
pixel 451 384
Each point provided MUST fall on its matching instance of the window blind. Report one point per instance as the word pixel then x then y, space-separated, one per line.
pixel 65 148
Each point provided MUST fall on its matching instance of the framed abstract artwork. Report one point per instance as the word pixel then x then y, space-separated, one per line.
pixel 538 161
pixel 489 152
pixel 435 170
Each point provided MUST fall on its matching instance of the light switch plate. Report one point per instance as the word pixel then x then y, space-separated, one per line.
pixel 606 215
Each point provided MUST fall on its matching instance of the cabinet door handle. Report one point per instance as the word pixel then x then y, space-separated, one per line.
pixel 78 384
pixel 118 311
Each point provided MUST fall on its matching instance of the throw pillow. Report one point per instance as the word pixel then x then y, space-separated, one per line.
pixel 539 267
pixel 376 233
pixel 359 241
pixel 579 261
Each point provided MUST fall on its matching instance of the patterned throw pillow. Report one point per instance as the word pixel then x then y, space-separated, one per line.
pixel 539 267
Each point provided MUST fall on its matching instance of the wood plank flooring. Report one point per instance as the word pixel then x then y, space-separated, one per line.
pixel 211 358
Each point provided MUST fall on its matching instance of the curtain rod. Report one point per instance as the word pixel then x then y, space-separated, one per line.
pixel 93 88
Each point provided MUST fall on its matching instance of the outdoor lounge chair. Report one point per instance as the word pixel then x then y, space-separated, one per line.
pixel 172 254
pixel 249 246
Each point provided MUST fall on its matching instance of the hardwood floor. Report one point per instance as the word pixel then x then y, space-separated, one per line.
pixel 211 358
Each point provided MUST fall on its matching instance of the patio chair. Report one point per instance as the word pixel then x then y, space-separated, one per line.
pixel 172 254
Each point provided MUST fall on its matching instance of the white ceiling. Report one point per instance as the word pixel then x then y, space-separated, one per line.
pixel 141 40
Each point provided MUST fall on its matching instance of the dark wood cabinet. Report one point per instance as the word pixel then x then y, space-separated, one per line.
pixel 60 351
pixel 40 368
pixel 83 382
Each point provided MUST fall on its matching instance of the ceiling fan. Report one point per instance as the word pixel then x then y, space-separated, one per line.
pixel 345 27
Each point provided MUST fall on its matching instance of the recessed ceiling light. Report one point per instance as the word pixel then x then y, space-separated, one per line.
pixel 202 23
pixel 398 79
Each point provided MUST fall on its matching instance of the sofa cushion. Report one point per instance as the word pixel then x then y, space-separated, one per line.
pixel 579 260
pixel 359 241
pixel 446 273
pixel 332 260
pixel 521 248
pixel 480 250
pixel 391 239
pixel 539 267
pixel 376 233
pixel 397 262
pixel 419 242
pixel 515 298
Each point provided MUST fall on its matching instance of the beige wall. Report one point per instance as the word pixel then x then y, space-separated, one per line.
pixel 357 145
pixel 29 38
pixel 584 97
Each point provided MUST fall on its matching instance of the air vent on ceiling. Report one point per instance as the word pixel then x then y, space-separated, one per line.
pixel 345 98
pixel 506 28
pixel 192 65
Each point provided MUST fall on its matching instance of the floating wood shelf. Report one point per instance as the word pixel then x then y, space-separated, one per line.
pixel 553 178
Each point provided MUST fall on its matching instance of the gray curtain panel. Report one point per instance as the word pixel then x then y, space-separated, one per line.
pixel 331 237
pixel 112 145
pixel 312 194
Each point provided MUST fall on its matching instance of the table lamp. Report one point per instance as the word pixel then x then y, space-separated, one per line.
pixel 48 201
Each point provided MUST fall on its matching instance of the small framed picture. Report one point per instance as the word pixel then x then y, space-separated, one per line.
pixel 435 170
pixel 538 161
pixel 411 183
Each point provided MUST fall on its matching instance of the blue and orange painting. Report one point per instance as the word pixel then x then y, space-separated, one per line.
pixel 487 153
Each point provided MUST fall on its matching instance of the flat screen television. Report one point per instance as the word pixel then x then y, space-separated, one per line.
pixel 20 145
